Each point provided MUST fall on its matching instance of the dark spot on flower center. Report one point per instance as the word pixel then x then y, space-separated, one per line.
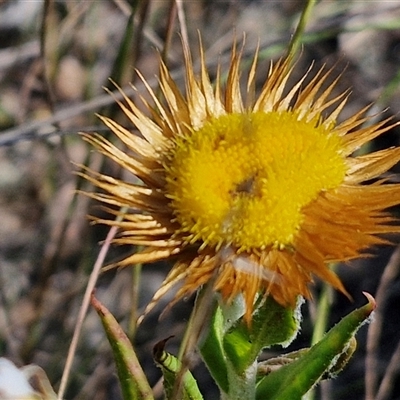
pixel 246 187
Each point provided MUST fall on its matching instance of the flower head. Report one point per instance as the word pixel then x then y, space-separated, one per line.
pixel 256 193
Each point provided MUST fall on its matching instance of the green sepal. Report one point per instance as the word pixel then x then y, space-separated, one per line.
pixel 294 380
pixel 271 324
pixel 212 352
pixel 134 384
pixel 171 369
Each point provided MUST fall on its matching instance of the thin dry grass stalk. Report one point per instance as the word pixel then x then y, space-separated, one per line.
pixel 390 273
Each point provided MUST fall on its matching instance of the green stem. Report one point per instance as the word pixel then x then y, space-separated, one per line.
pixel 321 323
pixel 198 321
pixel 201 311
pixel 241 386
pixel 297 36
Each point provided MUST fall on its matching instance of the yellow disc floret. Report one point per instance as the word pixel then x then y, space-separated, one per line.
pixel 243 179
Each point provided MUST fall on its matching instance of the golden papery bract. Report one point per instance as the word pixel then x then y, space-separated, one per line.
pixel 338 219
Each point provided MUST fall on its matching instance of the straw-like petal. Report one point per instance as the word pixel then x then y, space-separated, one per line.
pixel 254 193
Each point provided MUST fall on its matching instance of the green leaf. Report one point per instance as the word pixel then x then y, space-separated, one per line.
pixel 294 380
pixel 134 384
pixel 271 324
pixel 171 369
pixel 212 352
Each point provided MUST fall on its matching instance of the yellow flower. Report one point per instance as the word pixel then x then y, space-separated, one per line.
pixel 254 193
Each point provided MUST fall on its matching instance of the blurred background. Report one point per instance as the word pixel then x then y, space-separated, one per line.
pixel 56 57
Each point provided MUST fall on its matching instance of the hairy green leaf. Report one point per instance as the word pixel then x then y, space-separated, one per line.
pixel 271 324
pixel 134 384
pixel 212 352
pixel 294 380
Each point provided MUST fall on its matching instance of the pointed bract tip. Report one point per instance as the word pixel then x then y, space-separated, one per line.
pixel 371 300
